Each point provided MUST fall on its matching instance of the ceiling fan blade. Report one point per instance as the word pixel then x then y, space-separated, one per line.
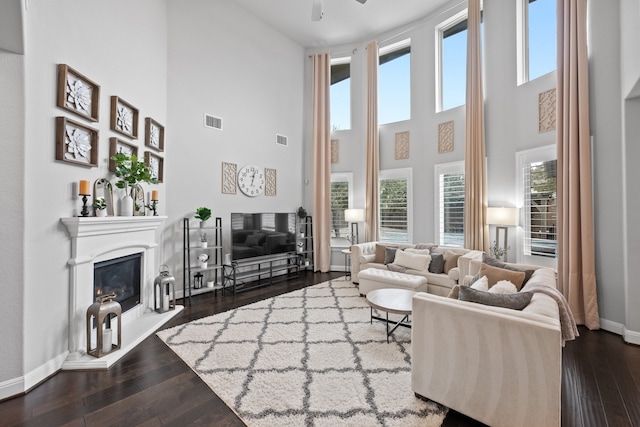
pixel 361 1
pixel 316 10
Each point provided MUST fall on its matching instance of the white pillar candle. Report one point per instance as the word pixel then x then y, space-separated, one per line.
pixel 107 340
pixel 165 302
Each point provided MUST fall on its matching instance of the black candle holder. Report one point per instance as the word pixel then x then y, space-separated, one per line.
pixel 153 207
pixel 85 209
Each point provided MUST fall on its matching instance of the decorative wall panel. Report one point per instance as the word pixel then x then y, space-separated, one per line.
pixel 402 145
pixel 445 137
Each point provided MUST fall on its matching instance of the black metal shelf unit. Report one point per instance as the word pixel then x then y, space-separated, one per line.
pixel 304 241
pixel 195 278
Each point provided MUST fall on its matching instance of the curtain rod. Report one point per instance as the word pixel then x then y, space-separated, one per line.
pixel 353 52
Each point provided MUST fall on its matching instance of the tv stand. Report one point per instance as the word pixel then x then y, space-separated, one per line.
pixel 251 273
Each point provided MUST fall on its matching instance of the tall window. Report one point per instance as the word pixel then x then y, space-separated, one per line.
pixel 340 93
pixel 538 189
pixel 452 70
pixel 341 190
pixel 537 39
pixel 450 203
pixel 394 83
pixel 395 205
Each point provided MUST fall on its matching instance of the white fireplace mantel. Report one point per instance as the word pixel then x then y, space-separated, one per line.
pixel 97 239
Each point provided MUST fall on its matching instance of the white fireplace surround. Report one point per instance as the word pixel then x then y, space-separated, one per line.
pixel 95 240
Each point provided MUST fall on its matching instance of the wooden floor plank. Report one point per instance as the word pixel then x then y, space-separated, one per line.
pixel 152 386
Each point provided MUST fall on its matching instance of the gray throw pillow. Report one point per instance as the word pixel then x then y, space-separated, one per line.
pixel 397 268
pixel 437 263
pixel 486 259
pixel 430 246
pixel 389 255
pixel 516 301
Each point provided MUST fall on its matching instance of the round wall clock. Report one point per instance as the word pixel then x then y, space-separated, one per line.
pixel 251 180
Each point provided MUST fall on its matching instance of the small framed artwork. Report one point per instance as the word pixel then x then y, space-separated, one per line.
pixel 271 184
pixel 78 94
pixel 124 117
pixel 76 143
pixel 119 146
pixel 156 163
pixel 154 137
pixel 229 175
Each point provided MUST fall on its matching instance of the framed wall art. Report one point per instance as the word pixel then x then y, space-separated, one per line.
pixel 76 143
pixel 156 163
pixel 229 175
pixel 119 146
pixel 154 134
pixel 271 182
pixel 124 117
pixel 78 94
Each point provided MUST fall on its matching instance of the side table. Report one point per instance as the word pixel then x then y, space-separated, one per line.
pixel 347 263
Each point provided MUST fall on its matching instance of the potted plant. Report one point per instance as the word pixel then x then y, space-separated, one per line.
pixel 203 214
pixel 302 213
pixel 203 258
pixel 203 240
pixel 130 172
pixel 100 205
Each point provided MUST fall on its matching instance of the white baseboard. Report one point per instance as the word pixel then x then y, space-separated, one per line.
pixel 631 337
pixel 11 388
pixel 23 384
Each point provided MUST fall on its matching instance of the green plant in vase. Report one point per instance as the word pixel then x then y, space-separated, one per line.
pixel 130 172
pixel 203 214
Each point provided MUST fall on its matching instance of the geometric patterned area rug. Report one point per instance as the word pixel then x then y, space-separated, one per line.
pixel 307 358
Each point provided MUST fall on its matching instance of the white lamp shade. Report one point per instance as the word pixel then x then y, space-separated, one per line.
pixel 502 216
pixel 354 215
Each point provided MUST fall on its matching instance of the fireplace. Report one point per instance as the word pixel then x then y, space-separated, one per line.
pixel 120 276
pixel 98 245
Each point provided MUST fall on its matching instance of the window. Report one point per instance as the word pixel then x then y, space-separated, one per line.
pixel 452 70
pixel 537 39
pixel 341 195
pixel 450 203
pixel 394 83
pixel 395 186
pixel 340 94
pixel 538 189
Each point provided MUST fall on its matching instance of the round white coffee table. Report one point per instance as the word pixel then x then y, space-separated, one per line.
pixel 396 301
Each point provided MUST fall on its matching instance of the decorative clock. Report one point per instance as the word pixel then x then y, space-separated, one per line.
pixel 251 180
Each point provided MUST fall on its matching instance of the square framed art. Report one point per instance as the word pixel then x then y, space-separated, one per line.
pixel 124 117
pixel 76 143
pixel 119 146
pixel 156 163
pixel 154 134
pixel 77 93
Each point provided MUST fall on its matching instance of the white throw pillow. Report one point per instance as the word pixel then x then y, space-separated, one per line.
pixel 412 261
pixel 482 284
pixel 418 251
pixel 503 287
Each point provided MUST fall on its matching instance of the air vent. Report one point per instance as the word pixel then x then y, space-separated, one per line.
pixel 281 140
pixel 212 122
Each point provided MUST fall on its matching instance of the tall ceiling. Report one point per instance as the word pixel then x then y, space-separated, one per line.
pixel 344 21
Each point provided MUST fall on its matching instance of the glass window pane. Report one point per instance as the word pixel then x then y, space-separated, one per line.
pixel 339 202
pixel 452 209
pixel 542 37
pixel 454 69
pixel 340 96
pixel 394 88
pixel 540 209
pixel 393 210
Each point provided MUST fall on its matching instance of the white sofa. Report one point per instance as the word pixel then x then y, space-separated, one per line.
pixel 500 366
pixel 363 257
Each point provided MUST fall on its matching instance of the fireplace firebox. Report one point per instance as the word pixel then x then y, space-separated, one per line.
pixel 121 276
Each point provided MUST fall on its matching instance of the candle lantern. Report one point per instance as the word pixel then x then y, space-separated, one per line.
pixel 164 291
pixel 102 312
pixel 197 280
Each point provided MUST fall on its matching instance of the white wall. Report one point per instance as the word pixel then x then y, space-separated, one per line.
pixel 226 62
pixel 102 40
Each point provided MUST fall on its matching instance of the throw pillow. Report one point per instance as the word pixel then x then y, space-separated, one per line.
pixel 429 246
pixel 495 274
pixel 450 260
pixel 482 284
pixel 379 259
pixel 503 287
pixel 389 255
pixel 516 301
pixel 418 251
pixel 253 239
pixel 454 292
pixel 412 261
pixel 437 263
pixel 397 268
pixel 486 259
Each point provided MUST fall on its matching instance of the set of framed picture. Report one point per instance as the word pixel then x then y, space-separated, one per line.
pixel 77 142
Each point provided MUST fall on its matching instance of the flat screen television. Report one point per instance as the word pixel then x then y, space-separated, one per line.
pixel 262 234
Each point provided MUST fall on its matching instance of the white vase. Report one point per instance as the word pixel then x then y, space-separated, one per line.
pixel 126 205
pixel 101 212
pixel 203 244
pixel 203 265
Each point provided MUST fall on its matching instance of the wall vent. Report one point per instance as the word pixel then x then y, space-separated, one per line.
pixel 212 122
pixel 282 140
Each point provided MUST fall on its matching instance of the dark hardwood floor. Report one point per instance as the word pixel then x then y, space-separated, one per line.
pixel 151 386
